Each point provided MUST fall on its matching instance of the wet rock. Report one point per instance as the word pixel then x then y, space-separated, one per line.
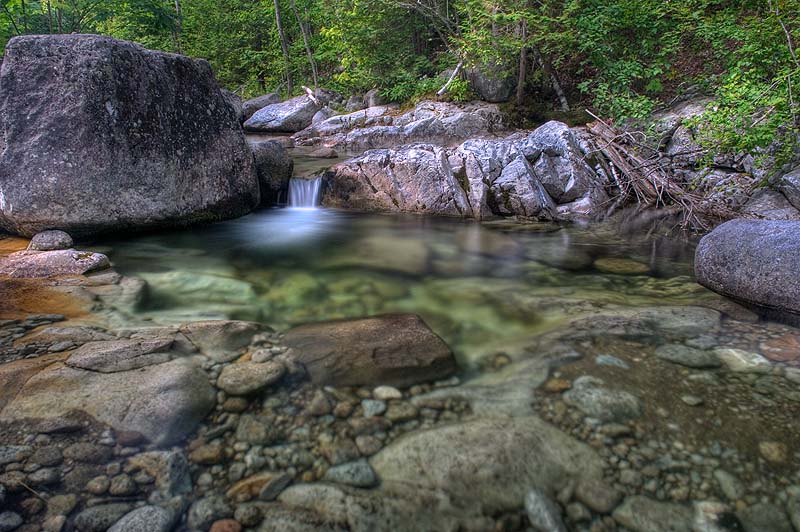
pixel 711 516
pixel 50 241
pixel 120 355
pixel 752 262
pixel 742 361
pixel 204 512
pixel 618 266
pixel 14 453
pixel 488 464
pixel 320 405
pixel 289 116
pixel 688 356
pixel 597 495
pixel 396 349
pixel 731 487
pixel 37 264
pixel 588 395
pixel 692 400
pixel 398 412
pixel 145 519
pixel 264 486
pixel 385 393
pixel 47 456
pixel 226 525
pixel 122 485
pixel 373 407
pixel 170 469
pixel 2 494
pixel 359 474
pixel 792 508
pixel 221 341
pixel 255 430
pixel 149 133
pixel 543 514
pixel 9 521
pixel 98 485
pixel 163 402
pixel 46 476
pixel 642 514
pixel 207 454
pixel 773 451
pixel 254 104
pixel 54 523
pixel 244 378
pixel 100 518
pixel 764 517
pixel 323 153
pixel 274 167
pixel 87 452
pixel 609 360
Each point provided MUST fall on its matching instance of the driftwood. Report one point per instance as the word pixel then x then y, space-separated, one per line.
pixel 646 178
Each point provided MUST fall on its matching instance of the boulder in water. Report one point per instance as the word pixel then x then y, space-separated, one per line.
pixel 754 262
pixel 50 241
pixel 395 350
pixel 249 107
pixel 148 135
pixel 274 167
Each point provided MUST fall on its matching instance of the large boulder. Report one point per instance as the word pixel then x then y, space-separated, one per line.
pixel 249 107
pixel 274 166
pixel 414 178
pixel 395 349
pixel 789 184
pixel 754 262
pixel 163 402
pixel 289 116
pixel 122 138
pixel 494 82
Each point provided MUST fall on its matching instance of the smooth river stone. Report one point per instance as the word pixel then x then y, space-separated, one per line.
pixel 688 356
pixel 248 377
pixel 121 355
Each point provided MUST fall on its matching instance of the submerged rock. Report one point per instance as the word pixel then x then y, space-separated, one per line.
pixel 488 464
pixel 642 514
pixel 755 263
pixel 149 134
pixel 395 350
pixel 590 397
pixel 688 356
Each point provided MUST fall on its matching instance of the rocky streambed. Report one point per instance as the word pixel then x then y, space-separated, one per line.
pixel 592 385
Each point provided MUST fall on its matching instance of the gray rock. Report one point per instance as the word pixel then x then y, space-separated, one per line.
pixel 204 512
pixel 610 360
pixel 145 519
pixel 14 453
pixel 249 107
pixel 120 355
pixel 789 184
pixel 10 521
pixel 553 150
pixel 771 205
pixel 170 469
pixel 394 349
pixel 597 495
pixel 322 115
pixel 235 103
pixel 46 476
pixel 373 98
pixel 221 340
pixel 355 103
pixel 289 116
pixel 731 487
pixel 488 465
pixel 543 514
pixel 793 509
pixel 247 377
pixel 494 82
pixel 100 518
pixel 37 264
pixel 642 514
pixel 164 402
pixel 753 262
pixel 688 356
pixel 373 407
pixel 148 133
pixel 50 241
pixel 2 495
pixel 255 430
pixel 88 452
pixel 274 167
pixel 359 474
pixel 590 397
pixel 764 517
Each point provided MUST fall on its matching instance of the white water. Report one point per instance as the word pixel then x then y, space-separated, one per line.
pixel 304 193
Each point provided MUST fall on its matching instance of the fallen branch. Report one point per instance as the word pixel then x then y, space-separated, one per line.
pixel 441 91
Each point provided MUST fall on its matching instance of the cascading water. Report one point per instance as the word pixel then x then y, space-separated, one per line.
pixel 304 193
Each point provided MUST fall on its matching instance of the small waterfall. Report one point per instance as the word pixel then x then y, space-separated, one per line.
pixel 304 193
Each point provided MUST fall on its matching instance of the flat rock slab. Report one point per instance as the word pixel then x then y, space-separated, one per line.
pixel 221 340
pixel 488 463
pixel 754 262
pixel 121 355
pixel 394 349
pixel 164 402
pixel 38 264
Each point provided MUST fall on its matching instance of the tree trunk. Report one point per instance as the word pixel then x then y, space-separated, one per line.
pixel 60 19
pixel 284 48
pixel 562 98
pixel 304 32
pixel 523 63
